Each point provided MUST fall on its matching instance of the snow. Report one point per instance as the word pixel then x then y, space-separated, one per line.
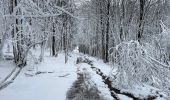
pixel 139 91
pixel 49 86
pixel 7 50
pixel 52 78
pixel 5 68
pixel 98 63
pixel 76 50
pixel 122 97
pixel 97 80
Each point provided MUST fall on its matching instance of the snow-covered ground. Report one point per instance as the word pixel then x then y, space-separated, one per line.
pixel 48 80
pixel 106 68
pixel 5 68
pixel 138 91
pixel 44 86
pixel 52 78
pixel 96 79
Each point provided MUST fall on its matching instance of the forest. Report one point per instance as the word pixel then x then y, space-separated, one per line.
pixel 84 49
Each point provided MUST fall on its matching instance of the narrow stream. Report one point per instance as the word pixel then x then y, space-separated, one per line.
pixel 114 91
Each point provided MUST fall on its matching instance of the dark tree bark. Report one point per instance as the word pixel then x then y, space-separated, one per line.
pixel 102 31
pixel 107 31
pixel 141 18
pixel 53 42
pixel 18 50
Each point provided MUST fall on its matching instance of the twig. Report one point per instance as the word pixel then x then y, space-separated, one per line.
pixel 5 83
pixel 8 76
pixel 64 75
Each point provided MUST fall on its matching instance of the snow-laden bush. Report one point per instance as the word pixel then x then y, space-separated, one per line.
pixel 165 35
pixel 135 64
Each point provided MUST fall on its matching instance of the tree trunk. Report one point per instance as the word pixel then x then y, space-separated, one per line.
pixel 102 32
pixel 141 18
pixel 53 42
pixel 2 42
pixel 107 32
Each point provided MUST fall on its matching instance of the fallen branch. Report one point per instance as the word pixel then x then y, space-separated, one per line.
pixel 160 63
pixel 64 75
pixel 5 83
pixel 9 75
pixel 37 73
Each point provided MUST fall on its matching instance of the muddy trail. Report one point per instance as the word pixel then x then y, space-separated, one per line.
pixel 113 91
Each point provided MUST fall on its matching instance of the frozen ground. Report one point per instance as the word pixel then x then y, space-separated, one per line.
pixel 52 79
pixel 52 85
pixel 5 68
pixel 49 80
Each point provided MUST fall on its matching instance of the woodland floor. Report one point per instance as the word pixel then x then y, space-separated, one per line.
pixel 54 80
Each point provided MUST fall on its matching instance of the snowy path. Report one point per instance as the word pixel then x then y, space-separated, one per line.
pixel 88 86
pixel 54 80
pixel 47 86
